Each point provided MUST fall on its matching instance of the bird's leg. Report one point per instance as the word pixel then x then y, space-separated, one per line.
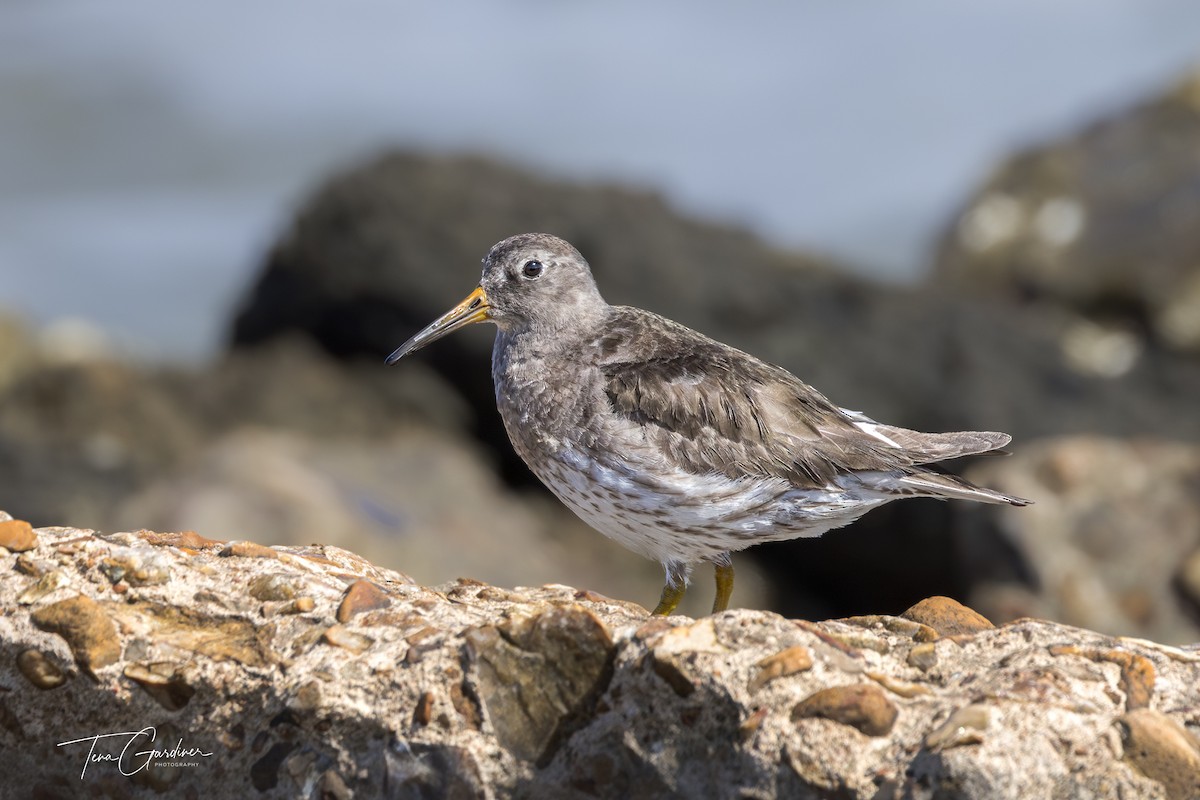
pixel 723 565
pixel 674 588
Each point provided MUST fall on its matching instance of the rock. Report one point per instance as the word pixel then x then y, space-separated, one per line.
pixel 947 616
pixel 17 535
pixel 540 676
pixel 1164 751
pixel 361 596
pixel 786 662
pixel 468 690
pixel 1103 222
pixel 39 669
pixel 1113 522
pixel 862 706
pixel 85 626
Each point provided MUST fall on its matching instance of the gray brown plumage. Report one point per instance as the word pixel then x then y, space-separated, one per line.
pixel 679 447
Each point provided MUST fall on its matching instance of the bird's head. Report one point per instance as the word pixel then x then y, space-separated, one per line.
pixel 533 281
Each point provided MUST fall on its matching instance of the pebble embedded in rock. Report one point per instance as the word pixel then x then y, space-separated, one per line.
pixel 922 656
pixel 44 585
pixel 1163 750
pixel 17 535
pixel 248 550
pixel 340 636
pixel 146 568
pixel 948 617
pixel 87 629
pixel 863 706
pixel 361 596
pixel 275 586
pixel 163 682
pixel 785 662
pixel 965 726
pixel 39 669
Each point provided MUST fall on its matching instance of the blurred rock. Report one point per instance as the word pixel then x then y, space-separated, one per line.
pixel 1109 543
pixel 468 690
pixel 1105 222
pixel 16 349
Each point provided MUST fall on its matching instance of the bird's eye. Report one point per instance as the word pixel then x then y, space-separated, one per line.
pixel 532 269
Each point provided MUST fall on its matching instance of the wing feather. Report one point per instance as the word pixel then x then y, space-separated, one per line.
pixel 715 409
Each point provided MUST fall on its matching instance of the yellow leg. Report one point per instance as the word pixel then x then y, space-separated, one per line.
pixel 724 574
pixel 673 588
pixel 671 595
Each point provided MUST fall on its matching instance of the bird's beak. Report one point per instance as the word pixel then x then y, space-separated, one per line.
pixel 473 309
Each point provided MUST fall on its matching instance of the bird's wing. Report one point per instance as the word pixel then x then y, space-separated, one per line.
pixel 709 408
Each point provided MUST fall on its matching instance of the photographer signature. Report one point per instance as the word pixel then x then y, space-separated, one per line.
pixel 130 763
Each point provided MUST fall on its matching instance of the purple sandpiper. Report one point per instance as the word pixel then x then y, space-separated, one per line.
pixel 677 446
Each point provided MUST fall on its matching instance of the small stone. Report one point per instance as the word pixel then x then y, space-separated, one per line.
pixel 184 540
pixel 44 586
pixel 361 596
pixel 1137 679
pixel 301 605
pixel 965 726
pixel 1162 749
pixel 898 687
pixel 248 550
pixel 163 682
pixel 785 662
pixel 33 567
pixel 340 636
pixel 147 568
pixel 87 629
pixel 17 535
pixel 423 713
pixel 39 670
pixel 275 586
pixel 216 636
pixel 923 656
pixel 863 706
pixel 948 617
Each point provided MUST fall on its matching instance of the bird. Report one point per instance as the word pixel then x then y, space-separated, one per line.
pixel 675 445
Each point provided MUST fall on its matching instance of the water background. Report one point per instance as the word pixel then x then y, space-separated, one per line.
pixel 150 150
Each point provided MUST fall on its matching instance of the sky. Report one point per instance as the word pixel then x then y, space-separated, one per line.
pixel 150 152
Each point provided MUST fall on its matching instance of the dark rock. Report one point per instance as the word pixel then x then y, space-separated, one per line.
pixel 1105 222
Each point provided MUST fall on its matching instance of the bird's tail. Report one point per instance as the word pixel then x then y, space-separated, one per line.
pixel 935 484
pixel 927 448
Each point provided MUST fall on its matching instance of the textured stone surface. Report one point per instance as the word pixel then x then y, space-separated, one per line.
pixel 472 690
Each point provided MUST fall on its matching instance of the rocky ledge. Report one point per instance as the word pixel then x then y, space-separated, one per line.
pixel 148 663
